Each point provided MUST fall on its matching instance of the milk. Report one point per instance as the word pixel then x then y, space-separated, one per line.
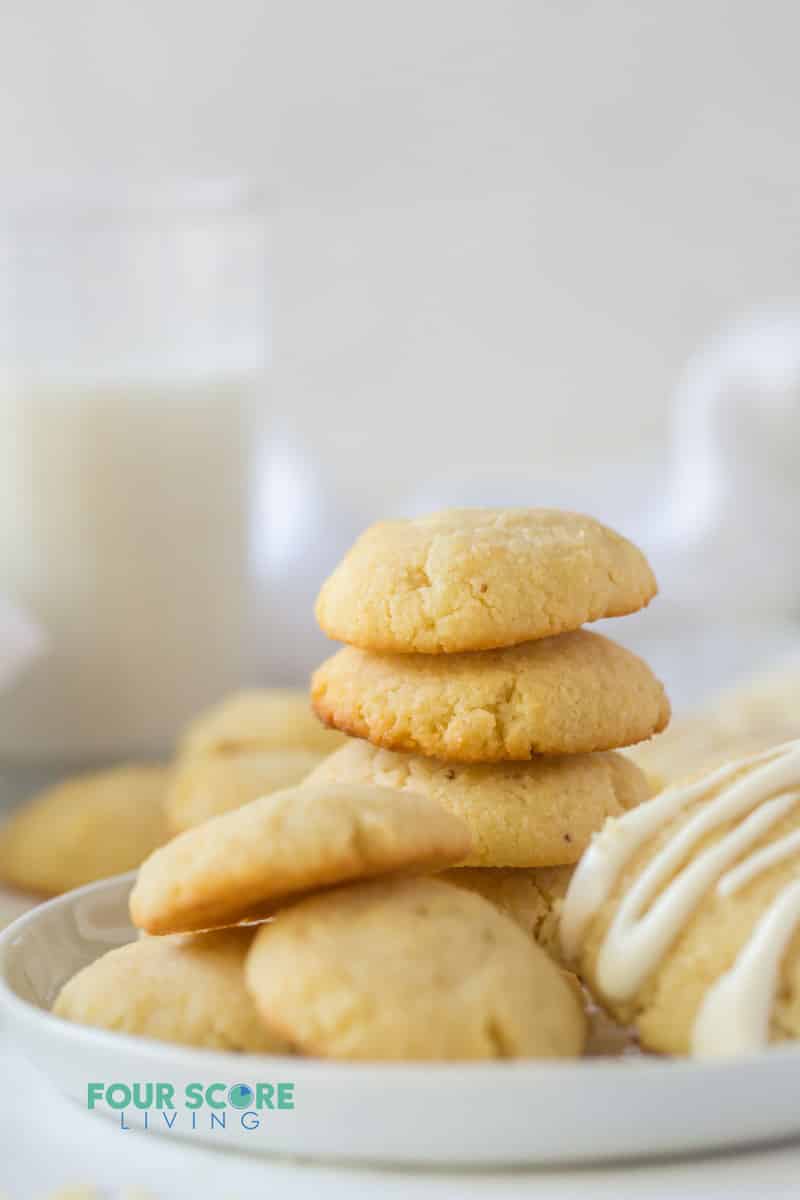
pixel 125 534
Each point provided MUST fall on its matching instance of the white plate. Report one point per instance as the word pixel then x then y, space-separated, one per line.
pixel 510 1113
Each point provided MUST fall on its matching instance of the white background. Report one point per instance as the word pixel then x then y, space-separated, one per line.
pixel 501 227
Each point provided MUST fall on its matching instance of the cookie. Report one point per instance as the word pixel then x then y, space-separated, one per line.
pixel 690 744
pixel 742 720
pixel 480 579
pixel 410 969
pixel 563 695
pixel 532 898
pixel 270 719
pixel 536 814
pixel 188 989
pixel 205 785
pixel 86 828
pixel 249 862
pixel 684 916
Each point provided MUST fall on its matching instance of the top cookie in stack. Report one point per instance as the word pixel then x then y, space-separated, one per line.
pixel 480 579
pixel 467 676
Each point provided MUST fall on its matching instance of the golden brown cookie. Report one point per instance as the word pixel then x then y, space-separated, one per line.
pixel 269 719
pixel 684 918
pixel 563 695
pixel 86 828
pixel 480 579
pixel 188 989
pixel 536 814
pixel 207 785
pixel 250 862
pixel 532 898
pixel 410 969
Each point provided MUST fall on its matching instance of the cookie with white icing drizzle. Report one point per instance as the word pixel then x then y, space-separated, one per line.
pixel 683 915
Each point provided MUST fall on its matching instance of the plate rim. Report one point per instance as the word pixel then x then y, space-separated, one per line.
pixel 18 1009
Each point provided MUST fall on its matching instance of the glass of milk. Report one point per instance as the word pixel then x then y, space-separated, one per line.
pixel 134 331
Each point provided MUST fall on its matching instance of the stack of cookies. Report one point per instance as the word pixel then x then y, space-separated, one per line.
pixel 468 679
pixel 307 919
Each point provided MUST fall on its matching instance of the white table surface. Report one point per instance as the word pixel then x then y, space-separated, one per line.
pixel 47 1144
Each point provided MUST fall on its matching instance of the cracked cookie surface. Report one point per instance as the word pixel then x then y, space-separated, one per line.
pixel 480 579
pixel 410 969
pixel 535 814
pixel 565 695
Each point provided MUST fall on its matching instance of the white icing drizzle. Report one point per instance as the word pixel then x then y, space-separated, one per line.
pixel 601 864
pixel 734 1017
pixel 634 944
pixel 663 897
pixel 775 852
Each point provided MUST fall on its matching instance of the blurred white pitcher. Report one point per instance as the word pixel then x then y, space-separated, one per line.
pixel 728 535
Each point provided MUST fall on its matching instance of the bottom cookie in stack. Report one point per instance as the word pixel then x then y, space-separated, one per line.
pixel 530 814
pixel 530 822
